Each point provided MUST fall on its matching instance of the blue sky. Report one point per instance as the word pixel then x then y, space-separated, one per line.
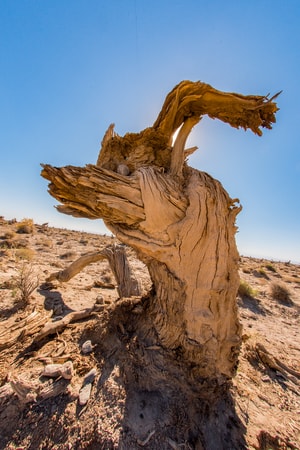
pixel 68 68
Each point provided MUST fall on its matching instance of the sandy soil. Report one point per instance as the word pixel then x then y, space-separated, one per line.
pixel 265 391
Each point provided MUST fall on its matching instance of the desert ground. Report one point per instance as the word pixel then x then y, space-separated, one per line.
pixel 73 388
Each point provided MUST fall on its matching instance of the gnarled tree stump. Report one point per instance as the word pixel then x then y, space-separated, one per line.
pixel 180 221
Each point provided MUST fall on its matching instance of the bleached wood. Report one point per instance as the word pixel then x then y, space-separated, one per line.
pixel 59 325
pixel 180 221
pixel 178 154
pixel 127 284
pixel 76 267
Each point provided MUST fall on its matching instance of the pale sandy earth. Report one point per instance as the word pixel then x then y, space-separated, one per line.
pixel 267 402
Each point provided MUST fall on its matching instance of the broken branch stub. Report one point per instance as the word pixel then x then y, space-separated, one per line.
pixel 127 284
pixel 180 221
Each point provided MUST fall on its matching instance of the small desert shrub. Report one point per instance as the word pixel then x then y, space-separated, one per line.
pixel 57 264
pixel 106 278
pixel 26 282
pixel 270 267
pixel 46 243
pixel 261 273
pixel 9 235
pixel 7 284
pixel 245 290
pixel 26 226
pixel 68 255
pixel 25 253
pixel 6 243
pixel 20 243
pixel 291 278
pixel 280 293
pixel 295 279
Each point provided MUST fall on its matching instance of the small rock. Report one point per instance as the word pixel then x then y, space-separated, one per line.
pixel 85 391
pixel 58 310
pixel 67 370
pixel 90 376
pixel 265 379
pixel 52 370
pixel 84 394
pixel 56 370
pixel 122 169
pixel 99 300
pixel 87 347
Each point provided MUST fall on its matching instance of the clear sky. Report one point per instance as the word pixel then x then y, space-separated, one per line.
pixel 68 68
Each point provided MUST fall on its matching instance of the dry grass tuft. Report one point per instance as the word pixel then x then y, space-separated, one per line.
pixel 245 290
pixel 281 293
pixel 270 267
pixel 68 255
pixel 26 282
pixel 25 253
pixel 9 235
pixel 261 273
pixel 26 226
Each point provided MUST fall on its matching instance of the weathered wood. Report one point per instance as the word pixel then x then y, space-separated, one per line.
pixel 127 284
pixel 197 99
pixel 59 325
pixel 178 153
pixel 180 221
pixel 119 195
pixel 13 331
pixel 76 267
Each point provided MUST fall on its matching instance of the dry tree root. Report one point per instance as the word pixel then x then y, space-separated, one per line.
pixel 6 391
pixel 53 389
pixel 25 390
pixel 289 374
pixel 33 391
pixel 14 331
pixel 59 325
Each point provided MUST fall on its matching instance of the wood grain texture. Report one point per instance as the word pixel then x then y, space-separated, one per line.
pixel 180 221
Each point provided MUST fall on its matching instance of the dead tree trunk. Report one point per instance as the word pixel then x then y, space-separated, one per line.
pixel 180 221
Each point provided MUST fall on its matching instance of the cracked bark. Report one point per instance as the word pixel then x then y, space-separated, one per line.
pixel 180 221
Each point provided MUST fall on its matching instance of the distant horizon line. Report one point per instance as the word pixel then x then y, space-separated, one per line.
pixel 103 233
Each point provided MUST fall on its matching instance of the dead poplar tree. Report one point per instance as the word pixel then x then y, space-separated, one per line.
pixel 180 221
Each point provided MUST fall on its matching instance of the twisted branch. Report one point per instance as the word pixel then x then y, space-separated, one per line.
pixel 189 99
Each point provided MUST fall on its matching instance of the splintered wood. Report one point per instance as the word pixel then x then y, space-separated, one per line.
pixel 180 221
pixel 12 330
